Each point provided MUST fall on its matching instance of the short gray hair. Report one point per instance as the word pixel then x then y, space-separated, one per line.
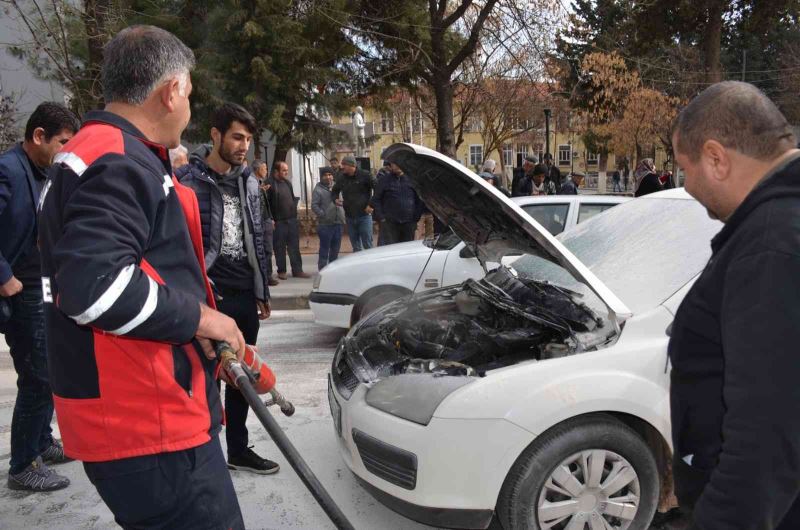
pixel 138 59
pixel 489 165
pixel 175 151
pixel 737 115
pixel 257 163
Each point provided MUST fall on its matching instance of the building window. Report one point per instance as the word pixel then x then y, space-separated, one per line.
pixel 474 125
pixel 591 159
pixel 475 155
pixel 508 155
pixel 538 150
pixel 522 151
pixel 387 122
pixel 564 154
pixel 416 121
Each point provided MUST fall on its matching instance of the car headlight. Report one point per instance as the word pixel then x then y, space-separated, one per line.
pixel 413 397
pixel 317 280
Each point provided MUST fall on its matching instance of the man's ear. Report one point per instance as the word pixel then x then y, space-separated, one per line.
pixel 216 136
pixel 39 136
pixel 716 160
pixel 168 94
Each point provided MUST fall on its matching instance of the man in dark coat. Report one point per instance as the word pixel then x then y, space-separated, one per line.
pixel 22 179
pixel 283 204
pixel 397 206
pixel 735 397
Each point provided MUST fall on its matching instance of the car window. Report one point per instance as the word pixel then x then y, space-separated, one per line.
pixel 587 211
pixel 446 241
pixel 552 216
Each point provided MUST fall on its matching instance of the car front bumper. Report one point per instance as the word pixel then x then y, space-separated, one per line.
pixel 460 463
pixel 332 309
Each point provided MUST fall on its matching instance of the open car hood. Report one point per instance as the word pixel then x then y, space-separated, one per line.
pixel 487 221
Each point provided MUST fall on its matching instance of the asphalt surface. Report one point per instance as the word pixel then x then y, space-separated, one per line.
pixel 300 353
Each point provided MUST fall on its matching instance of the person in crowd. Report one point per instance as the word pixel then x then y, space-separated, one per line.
pixel 572 183
pixel 735 401
pixel 354 190
pixel 260 172
pixel 666 180
pixel 128 302
pixel 283 204
pixel 330 219
pixel 521 185
pixel 615 178
pixel 539 185
pixel 335 165
pixel 552 173
pixel 626 177
pixel 178 157
pixel 494 180
pixel 646 179
pixel 22 181
pixel 397 206
pixel 233 240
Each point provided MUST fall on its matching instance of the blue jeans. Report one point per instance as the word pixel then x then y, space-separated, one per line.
pixel 330 239
pixel 33 411
pixel 360 231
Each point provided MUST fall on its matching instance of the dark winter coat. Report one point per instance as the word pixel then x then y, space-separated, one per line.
pixel 197 175
pixel 650 184
pixel 735 397
pixel 356 192
pixel 18 198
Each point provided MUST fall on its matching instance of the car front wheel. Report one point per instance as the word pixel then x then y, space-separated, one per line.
pixel 592 472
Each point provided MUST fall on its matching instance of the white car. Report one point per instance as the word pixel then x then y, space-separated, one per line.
pixel 539 393
pixel 356 285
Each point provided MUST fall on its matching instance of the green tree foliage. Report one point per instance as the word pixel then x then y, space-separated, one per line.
pixel 287 64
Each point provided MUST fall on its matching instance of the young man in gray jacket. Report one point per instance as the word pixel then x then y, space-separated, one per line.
pixel 330 219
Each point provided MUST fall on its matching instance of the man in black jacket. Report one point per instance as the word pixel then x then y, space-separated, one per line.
pixel 355 186
pixel 735 397
pixel 283 205
pixel 260 172
pixel 229 200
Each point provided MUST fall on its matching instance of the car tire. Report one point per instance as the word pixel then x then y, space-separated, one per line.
pixel 534 496
pixel 376 299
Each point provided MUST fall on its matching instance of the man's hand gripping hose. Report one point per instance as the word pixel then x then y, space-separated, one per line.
pixel 245 380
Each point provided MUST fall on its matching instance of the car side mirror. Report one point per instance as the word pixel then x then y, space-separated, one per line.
pixel 466 252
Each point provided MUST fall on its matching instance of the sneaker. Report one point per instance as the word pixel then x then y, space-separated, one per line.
pixel 37 477
pixel 55 454
pixel 250 461
pixel 301 274
pixel 282 275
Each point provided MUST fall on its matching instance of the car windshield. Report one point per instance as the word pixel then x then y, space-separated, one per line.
pixel 644 250
pixel 552 216
pixel 445 241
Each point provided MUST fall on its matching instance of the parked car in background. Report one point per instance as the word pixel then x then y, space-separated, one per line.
pixel 538 393
pixel 356 285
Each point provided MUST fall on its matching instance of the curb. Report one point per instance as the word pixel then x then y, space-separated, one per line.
pixel 289 302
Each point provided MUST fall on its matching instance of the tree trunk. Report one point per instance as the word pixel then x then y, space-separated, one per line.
pixel 95 22
pixel 713 42
pixel 445 136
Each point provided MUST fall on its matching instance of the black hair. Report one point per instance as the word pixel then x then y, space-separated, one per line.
pixel 53 118
pixel 228 113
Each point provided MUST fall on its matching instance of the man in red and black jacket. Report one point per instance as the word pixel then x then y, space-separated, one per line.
pixel 127 302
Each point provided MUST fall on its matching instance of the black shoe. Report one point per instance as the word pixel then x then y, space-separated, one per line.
pixel 272 281
pixel 55 454
pixel 250 461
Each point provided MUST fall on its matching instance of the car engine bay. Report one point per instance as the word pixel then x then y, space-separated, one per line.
pixel 475 327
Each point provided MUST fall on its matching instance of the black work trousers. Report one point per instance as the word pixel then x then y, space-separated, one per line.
pixel 395 232
pixel 240 306
pixel 287 237
pixel 268 233
pixel 179 490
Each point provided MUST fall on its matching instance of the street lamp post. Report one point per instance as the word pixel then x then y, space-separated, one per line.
pixel 546 131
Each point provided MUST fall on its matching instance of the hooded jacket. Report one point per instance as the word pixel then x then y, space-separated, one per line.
pixel 735 394
pixel 197 176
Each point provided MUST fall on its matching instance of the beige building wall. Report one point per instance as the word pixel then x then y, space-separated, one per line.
pixel 569 153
